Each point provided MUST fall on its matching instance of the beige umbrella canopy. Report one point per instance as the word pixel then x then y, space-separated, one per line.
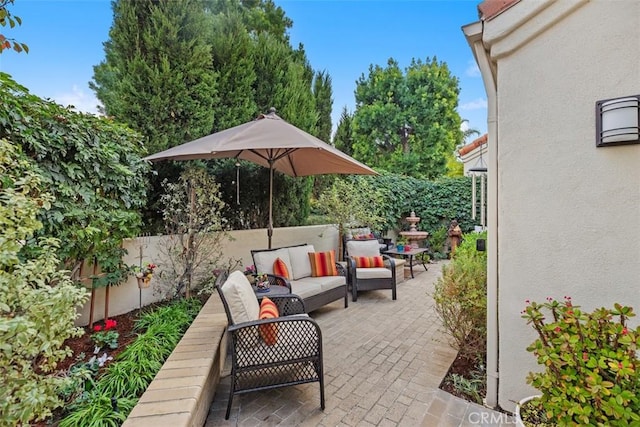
pixel 271 142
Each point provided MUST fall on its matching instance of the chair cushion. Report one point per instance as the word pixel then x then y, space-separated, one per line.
pixel 264 260
pixel 373 273
pixel 323 263
pixel 368 261
pixel 306 287
pixel 240 298
pixel 269 332
pixel 363 248
pixel 300 265
pixel 280 268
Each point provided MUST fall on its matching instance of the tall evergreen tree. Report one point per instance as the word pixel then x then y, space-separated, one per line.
pixel 343 138
pixel 323 94
pixel 157 76
pixel 407 122
pixel 232 50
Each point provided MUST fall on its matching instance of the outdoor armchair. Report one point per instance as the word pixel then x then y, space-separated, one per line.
pixel 270 352
pixel 368 268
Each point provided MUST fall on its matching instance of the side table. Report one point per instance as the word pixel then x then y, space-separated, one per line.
pixel 409 255
pixel 273 290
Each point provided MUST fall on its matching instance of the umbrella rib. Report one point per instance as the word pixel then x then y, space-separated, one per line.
pixel 271 157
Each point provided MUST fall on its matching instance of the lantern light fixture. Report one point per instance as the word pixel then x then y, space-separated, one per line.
pixel 618 121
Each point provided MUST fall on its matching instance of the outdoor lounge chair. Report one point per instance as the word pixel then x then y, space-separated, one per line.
pixel 290 354
pixel 373 276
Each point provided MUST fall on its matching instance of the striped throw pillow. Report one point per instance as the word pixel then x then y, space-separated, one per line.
pixel 280 268
pixel 368 261
pixel 268 310
pixel 323 263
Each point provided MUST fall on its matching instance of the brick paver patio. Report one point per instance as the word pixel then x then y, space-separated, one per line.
pixel 384 361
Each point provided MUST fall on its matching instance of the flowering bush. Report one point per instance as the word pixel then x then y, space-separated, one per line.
pixel 105 336
pixel 591 370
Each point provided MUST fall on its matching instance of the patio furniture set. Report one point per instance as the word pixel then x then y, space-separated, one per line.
pixel 273 341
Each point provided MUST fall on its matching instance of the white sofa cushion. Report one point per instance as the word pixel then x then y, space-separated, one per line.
pixel 325 283
pixel 372 273
pixel 306 287
pixel 264 260
pixel 300 265
pixel 240 297
pixel 363 248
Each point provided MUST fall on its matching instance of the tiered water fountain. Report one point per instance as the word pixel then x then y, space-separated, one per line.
pixel 413 235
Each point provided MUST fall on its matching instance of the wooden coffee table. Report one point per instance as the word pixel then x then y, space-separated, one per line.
pixel 409 256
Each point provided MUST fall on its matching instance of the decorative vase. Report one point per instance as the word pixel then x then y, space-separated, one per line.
pixel 400 248
pixel 517 414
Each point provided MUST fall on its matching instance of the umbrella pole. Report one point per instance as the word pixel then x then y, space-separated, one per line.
pixel 270 227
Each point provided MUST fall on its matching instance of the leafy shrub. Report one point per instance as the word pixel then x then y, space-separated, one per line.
pixel 461 297
pixel 590 361
pixel 437 240
pixel 37 302
pixel 93 168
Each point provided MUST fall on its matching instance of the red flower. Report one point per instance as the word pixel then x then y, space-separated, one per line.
pixel 557 329
pixel 97 328
pixel 110 324
pixel 625 331
pixel 585 356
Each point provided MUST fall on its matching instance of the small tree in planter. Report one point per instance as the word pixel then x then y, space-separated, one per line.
pixel 591 368
pixel 351 201
pixel 196 231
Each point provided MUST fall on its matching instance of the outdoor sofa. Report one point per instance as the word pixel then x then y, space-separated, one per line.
pixel 328 284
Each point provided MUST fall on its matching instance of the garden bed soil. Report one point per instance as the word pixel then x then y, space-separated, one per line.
pixel 464 367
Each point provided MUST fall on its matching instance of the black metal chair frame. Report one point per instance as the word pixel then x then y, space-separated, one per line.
pixel 296 358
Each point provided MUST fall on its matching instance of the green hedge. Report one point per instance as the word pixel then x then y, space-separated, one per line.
pixel 435 202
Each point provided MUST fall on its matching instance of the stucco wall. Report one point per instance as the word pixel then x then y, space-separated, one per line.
pixel 127 297
pixel 568 212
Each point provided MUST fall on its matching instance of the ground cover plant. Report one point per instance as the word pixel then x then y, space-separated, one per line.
pixel 103 395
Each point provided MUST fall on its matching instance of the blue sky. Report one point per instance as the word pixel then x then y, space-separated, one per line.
pixel 342 37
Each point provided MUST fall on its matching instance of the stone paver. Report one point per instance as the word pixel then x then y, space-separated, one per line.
pixel 384 361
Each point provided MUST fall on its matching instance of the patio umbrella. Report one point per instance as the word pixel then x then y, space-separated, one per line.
pixel 271 142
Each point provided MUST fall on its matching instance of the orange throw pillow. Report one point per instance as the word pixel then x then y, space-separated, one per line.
pixel 368 261
pixel 323 263
pixel 268 310
pixel 280 268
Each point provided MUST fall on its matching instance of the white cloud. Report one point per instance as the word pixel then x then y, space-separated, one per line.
pixel 472 69
pixel 86 103
pixel 476 104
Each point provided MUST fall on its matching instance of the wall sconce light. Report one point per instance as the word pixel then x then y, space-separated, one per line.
pixel 618 121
